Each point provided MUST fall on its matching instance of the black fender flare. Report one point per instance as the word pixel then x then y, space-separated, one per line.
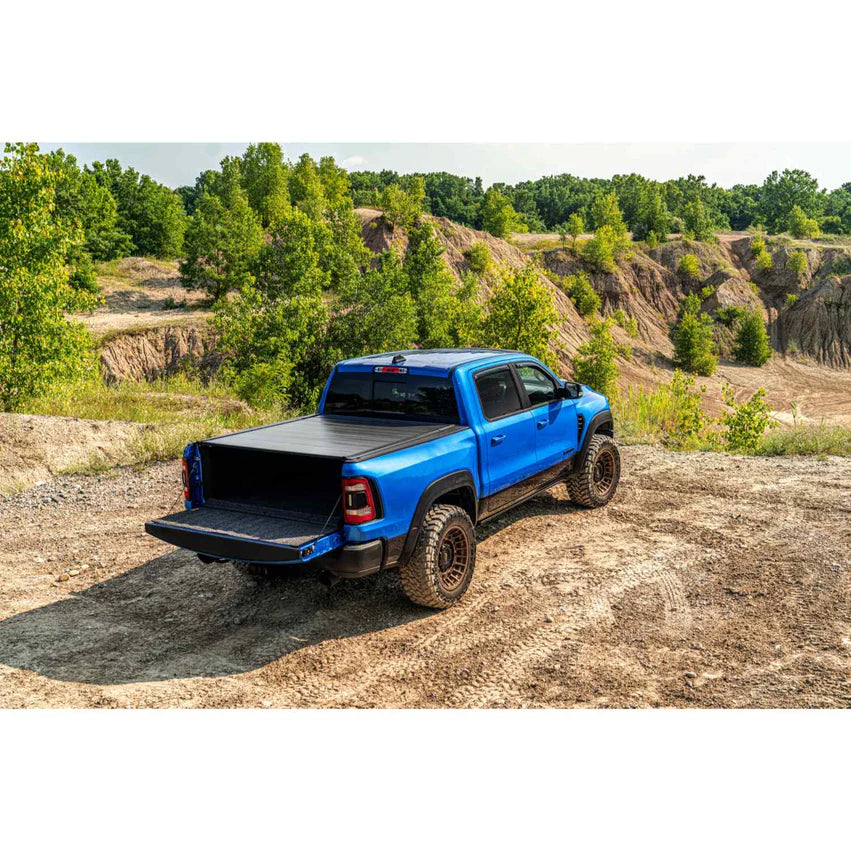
pixel 460 480
pixel 598 423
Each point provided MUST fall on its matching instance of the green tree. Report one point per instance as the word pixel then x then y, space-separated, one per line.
pixel 605 211
pixel 498 216
pixel 694 343
pixel 697 223
pixel 375 312
pixel 221 245
pixel 152 214
pixel 595 362
pixel 575 227
pixel 782 192
pixel 752 344
pixel 38 344
pixel 608 246
pixel 689 267
pixel 652 221
pixel 521 315
pixel 583 295
pixel 800 226
pixel 265 178
pixel 306 189
pixel 82 200
pixel 797 264
pixel 403 205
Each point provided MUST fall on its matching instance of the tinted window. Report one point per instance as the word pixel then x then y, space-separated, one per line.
pixel 498 393
pixel 539 386
pixel 414 397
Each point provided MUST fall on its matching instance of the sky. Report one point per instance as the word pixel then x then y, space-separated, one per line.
pixel 177 164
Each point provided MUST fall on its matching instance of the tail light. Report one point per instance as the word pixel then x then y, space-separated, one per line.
pixel 358 501
pixel 186 493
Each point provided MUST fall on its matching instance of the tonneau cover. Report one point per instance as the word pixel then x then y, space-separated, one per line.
pixel 345 438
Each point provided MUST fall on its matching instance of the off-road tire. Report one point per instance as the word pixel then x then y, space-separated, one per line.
pixel 434 575
pixel 595 483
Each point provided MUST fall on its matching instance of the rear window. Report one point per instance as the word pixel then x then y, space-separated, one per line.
pixel 498 393
pixel 411 397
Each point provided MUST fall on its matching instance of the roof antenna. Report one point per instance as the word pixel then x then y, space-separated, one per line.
pixel 398 359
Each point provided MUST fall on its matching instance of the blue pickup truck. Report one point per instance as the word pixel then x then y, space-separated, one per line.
pixel 408 452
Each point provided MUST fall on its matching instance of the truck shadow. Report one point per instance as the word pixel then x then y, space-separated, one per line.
pixel 174 617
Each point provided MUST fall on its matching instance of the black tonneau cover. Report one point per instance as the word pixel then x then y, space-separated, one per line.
pixel 345 438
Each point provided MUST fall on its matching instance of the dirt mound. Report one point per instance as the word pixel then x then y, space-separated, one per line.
pixel 150 353
pixel 34 448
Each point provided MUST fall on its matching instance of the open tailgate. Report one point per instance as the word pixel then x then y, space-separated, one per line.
pixel 245 536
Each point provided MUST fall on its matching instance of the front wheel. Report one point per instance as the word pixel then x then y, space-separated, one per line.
pixel 441 568
pixel 596 481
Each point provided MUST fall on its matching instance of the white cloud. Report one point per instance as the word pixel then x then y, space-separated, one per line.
pixel 354 161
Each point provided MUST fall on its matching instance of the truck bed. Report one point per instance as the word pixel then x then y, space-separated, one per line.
pixel 246 535
pixel 343 438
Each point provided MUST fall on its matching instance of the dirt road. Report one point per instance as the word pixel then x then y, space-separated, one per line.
pixel 709 581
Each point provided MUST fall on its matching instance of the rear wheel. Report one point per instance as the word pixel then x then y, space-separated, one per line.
pixel 441 568
pixel 595 483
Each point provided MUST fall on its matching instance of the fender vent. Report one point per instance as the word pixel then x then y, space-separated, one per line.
pixel 580 427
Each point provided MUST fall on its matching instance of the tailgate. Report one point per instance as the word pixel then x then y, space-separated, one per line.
pixel 246 536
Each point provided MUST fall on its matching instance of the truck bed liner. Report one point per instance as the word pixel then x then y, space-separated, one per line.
pixel 346 438
pixel 245 535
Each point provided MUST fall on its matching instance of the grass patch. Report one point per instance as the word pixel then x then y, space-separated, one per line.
pixel 821 440
pixel 174 412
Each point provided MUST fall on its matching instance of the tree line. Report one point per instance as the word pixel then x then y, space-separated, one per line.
pixel 788 200
pixel 278 247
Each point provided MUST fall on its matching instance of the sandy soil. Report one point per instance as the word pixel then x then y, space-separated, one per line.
pixel 138 294
pixel 709 581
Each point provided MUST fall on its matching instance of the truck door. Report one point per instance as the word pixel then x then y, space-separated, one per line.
pixel 554 419
pixel 509 433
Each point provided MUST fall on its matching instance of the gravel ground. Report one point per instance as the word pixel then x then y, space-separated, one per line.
pixel 710 580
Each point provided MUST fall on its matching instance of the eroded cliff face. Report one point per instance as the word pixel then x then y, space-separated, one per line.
pixel 151 353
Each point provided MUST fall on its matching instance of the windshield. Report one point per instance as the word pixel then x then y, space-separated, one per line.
pixel 410 397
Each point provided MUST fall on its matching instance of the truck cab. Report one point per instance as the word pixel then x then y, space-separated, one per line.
pixel 407 453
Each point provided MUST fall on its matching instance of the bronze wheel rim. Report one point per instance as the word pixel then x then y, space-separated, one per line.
pixel 604 472
pixel 453 559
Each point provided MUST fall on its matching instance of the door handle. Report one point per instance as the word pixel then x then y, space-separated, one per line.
pixel 542 423
pixel 497 439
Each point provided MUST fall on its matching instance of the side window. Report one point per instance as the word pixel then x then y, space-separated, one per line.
pixel 498 393
pixel 540 386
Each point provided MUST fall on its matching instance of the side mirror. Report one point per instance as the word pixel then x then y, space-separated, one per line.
pixel 571 390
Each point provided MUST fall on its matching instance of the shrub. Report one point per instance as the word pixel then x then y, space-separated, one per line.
pixel 694 343
pixel 688 266
pixel 764 262
pixel 728 315
pixel 791 299
pixel 403 205
pixel 628 323
pixel 672 413
pixel 696 222
pixel 797 264
pixel 479 257
pixel 745 423
pixel 757 245
pixel 594 363
pixel 583 295
pixel 752 344
pixel 608 246
pixel 83 276
pixel 521 315
pixel 800 226
pixel 706 292
pixel 651 241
